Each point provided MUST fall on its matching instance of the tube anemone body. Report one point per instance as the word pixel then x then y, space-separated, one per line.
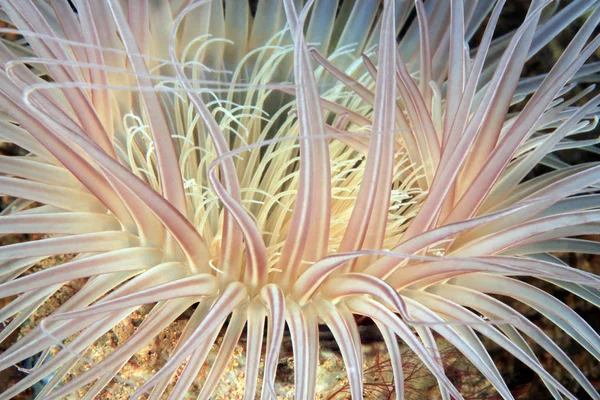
pixel 264 168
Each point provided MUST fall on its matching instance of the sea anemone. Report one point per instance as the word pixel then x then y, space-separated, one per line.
pixel 269 168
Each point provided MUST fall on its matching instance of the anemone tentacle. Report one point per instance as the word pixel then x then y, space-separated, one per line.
pixel 248 171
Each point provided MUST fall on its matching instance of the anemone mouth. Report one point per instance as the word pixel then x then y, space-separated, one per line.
pixel 223 174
